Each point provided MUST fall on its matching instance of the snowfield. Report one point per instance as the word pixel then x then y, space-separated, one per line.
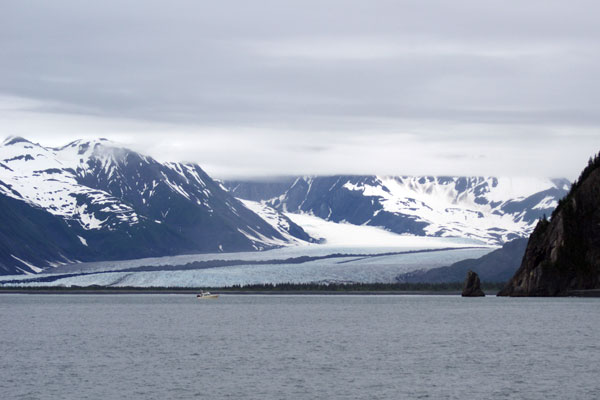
pixel 344 234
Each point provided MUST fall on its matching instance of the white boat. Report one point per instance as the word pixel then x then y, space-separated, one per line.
pixel 206 295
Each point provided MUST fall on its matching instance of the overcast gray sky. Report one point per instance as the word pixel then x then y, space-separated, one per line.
pixel 250 88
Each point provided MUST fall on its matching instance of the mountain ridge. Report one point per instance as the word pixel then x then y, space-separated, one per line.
pixel 118 203
pixel 489 209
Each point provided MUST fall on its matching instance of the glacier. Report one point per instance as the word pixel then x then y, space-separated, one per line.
pixel 94 211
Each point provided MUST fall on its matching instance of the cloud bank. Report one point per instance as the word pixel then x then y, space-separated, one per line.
pixel 305 87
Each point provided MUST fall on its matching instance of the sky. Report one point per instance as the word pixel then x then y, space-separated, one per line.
pixel 262 88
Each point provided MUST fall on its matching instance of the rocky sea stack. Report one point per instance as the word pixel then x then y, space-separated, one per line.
pixel 472 286
pixel 563 254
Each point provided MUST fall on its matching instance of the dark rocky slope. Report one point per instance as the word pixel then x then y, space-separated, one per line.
pixel 28 233
pixel 498 266
pixel 563 254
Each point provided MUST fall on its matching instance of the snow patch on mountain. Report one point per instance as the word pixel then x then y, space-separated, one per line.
pixel 28 265
pixel 277 220
pixel 546 203
pixel 344 234
pixel 450 212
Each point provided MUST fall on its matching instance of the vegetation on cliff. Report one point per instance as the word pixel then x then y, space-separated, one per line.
pixel 563 254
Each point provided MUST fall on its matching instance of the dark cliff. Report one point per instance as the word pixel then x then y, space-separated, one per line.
pixel 563 254
pixel 472 286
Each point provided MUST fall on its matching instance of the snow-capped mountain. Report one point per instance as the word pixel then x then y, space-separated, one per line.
pixel 94 200
pixel 488 209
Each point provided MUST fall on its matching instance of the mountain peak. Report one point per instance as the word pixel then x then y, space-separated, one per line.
pixel 94 199
pixel 90 143
pixel 10 140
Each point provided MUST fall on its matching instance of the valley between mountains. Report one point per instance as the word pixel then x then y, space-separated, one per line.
pixel 94 209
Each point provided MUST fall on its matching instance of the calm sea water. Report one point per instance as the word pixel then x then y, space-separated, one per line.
pixel 297 347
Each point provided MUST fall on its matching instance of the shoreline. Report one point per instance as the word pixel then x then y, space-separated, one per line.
pixel 129 291
pixel 238 292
